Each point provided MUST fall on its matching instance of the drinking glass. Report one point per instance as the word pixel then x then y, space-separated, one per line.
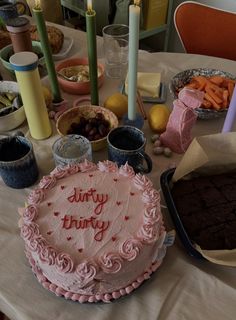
pixel 71 149
pixel 116 47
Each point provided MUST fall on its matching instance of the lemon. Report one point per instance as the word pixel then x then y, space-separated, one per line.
pixel 117 103
pixel 47 95
pixel 158 117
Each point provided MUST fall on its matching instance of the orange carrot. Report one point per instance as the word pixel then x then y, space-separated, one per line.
pixel 217 80
pixel 230 89
pixel 214 96
pixel 225 99
pixel 214 104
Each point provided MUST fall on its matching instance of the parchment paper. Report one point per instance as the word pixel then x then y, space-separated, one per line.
pixel 208 155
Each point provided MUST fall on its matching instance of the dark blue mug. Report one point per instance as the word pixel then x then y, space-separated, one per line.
pixel 18 167
pixel 127 144
pixel 11 9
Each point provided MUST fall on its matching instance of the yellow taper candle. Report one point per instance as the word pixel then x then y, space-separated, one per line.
pixel 25 65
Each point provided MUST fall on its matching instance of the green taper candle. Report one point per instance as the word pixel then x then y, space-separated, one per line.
pixel 43 35
pixel 92 54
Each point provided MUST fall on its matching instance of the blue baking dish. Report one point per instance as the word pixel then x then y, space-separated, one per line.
pixel 165 181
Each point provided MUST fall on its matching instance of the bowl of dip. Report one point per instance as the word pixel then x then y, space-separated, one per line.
pixel 73 75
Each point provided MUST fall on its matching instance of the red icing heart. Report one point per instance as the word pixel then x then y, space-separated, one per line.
pixel 49 204
pixel 131 193
pixel 90 175
pixel 69 238
pixel 118 203
pixel 126 218
pixel 56 213
pixel 80 250
pixel 49 233
pixel 62 187
pixel 115 179
pixel 113 238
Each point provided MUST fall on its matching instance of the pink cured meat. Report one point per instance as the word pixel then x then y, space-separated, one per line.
pixel 181 121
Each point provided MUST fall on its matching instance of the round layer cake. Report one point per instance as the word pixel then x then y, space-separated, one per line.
pixel 93 232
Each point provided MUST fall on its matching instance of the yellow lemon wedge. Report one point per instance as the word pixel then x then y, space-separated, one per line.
pixel 158 117
pixel 117 103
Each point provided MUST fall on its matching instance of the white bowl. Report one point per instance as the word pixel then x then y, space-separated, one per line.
pixel 13 119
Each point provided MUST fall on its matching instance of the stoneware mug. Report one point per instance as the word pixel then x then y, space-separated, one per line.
pixel 127 144
pixel 18 167
pixel 10 9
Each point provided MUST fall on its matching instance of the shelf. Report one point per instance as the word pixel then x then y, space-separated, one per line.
pixel 102 9
pixel 151 32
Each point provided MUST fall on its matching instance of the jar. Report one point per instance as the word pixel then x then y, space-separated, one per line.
pixel 19 29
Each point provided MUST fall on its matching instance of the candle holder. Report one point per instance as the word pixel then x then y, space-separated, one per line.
pixel 58 108
pixel 138 122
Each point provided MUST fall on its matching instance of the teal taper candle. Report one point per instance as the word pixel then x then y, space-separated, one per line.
pixel 92 54
pixel 43 35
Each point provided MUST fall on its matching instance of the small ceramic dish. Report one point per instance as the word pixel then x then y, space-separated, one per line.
pixel 184 77
pixel 72 117
pixel 7 52
pixel 13 119
pixel 73 75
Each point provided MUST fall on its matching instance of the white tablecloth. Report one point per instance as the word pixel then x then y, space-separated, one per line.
pixel 182 288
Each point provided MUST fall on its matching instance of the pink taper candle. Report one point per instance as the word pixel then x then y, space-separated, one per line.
pixel 231 114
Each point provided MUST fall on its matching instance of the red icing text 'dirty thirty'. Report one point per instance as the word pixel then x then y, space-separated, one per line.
pixel 70 222
pixel 90 195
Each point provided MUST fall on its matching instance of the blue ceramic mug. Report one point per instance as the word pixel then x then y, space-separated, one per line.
pixel 127 144
pixel 11 9
pixel 18 167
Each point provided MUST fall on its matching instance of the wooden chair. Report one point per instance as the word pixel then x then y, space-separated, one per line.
pixel 206 30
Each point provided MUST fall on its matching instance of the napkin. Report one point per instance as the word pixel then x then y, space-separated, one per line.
pixel 148 84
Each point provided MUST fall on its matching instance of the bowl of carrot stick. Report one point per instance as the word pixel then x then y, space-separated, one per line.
pixel 217 86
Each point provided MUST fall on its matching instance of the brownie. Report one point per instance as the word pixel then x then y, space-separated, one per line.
pixel 207 208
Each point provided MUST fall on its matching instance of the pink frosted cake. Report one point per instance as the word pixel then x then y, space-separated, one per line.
pixel 93 232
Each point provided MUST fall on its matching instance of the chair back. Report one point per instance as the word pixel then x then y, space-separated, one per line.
pixel 206 30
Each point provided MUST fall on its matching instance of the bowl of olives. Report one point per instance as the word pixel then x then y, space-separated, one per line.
pixel 92 122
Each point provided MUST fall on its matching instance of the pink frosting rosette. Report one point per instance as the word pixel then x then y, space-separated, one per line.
pixel 36 196
pixel 151 196
pixel 30 213
pixel 73 168
pixel 85 272
pixel 37 244
pixel 111 263
pixel 59 172
pixel 130 249
pixel 28 231
pixel 152 214
pixel 142 182
pixel 107 166
pixel 64 263
pixel 148 233
pixel 126 170
pixel 48 182
pixel 86 166
pixel 48 255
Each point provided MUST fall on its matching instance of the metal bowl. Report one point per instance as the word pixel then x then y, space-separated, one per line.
pixel 184 77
